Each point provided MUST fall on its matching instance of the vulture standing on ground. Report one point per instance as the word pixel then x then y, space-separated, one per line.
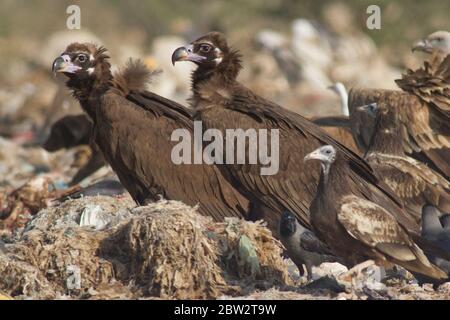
pixel 359 228
pixel 413 181
pixel 72 131
pixel 423 107
pixel 133 129
pixel 223 103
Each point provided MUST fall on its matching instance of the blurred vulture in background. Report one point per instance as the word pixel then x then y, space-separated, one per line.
pixel 423 108
pixel 223 103
pixel 359 228
pixel 133 128
pixel 413 181
pixel 277 45
pixel 317 56
pixel 73 131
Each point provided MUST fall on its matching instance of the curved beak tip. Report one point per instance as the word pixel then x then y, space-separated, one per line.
pixel 60 65
pixel 56 66
pixel 420 45
pixel 179 54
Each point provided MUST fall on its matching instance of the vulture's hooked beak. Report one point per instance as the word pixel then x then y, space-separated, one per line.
pixel 370 109
pixel 186 54
pixel 422 45
pixel 63 64
pixel 315 155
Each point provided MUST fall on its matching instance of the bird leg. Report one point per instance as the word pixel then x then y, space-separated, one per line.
pixel 356 270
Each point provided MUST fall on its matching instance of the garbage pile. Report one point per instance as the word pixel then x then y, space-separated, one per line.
pixel 104 246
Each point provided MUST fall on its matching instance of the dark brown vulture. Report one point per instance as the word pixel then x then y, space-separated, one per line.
pixel 358 228
pixel 133 129
pixel 223 103
pixel 72 131
pixel 68 132
pixel 413 181
pixel 423 109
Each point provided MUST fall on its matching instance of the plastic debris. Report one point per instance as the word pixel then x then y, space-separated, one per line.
pixel 93 216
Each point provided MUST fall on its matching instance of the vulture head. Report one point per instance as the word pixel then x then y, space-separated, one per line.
pixel 386 117
pixel 386 136
pixel 84 64
pixel 288 224
pixel 325 154
pixel 438 41
pixel 371 109
pixel 210 52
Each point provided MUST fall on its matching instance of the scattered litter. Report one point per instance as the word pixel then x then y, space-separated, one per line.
pixel 93 216
pixel 73 278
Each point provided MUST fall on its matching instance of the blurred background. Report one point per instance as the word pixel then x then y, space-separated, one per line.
pixel 293 50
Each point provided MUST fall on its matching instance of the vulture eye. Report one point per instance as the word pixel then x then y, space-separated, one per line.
pixel 439 39
pixel 205 48
pixel 82 58
pixel 328 151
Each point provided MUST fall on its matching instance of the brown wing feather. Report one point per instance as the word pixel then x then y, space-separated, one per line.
pixel 374 226
pixel 431 83
pixel 422 128
pixel 140 154
pixel 414 182
pixel 294 186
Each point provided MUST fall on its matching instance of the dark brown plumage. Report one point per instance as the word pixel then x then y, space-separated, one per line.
pixel 72 131
pixel 359 228
pixel 133 129
pixel 414 182
pixel 68 132
pixel 223 103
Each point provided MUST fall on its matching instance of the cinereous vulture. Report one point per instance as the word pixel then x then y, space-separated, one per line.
pixel 133 128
